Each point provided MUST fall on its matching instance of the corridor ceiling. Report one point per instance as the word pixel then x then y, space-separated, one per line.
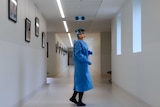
pixel 98 15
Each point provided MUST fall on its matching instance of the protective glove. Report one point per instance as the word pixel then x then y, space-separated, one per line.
pixel 90 52
pixel 89 63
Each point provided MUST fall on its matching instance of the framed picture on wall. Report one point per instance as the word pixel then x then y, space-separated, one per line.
pixel 57 45
pixel 36 26
pixel 12 10
pixel 59 48
pixel 27 30
pixel 43 40
pixel 47 50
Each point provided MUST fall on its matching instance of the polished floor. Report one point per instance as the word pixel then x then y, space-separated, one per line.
pixel 58 90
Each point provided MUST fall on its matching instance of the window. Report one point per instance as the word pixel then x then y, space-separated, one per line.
pixel 137 26
pixel 118 35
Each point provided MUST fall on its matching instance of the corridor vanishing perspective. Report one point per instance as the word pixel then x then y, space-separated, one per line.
pixel 36 42
pixel 58 90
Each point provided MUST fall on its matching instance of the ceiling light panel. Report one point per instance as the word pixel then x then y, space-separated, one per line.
pixel 60 8
pixel 70 39
pixel 65 25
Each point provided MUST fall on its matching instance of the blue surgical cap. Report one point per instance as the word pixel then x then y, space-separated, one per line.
pixel 78 31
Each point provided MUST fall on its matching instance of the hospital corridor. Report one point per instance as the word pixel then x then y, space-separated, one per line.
pixel 70 53
pixel 58 90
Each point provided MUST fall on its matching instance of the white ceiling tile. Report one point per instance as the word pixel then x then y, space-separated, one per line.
pixel 98 14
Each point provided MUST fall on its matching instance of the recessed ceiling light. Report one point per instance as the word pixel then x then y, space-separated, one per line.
pixel 70 39
pixel 65 25
pixel 60 8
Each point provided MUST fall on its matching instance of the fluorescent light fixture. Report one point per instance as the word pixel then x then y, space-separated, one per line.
pixel 60 8
pixel 70 39
pixel 65 25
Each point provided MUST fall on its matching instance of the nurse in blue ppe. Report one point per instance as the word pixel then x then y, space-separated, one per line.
pixel 82 76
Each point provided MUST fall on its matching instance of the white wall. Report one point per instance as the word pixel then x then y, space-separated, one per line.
pixel 23 65
pixel 138 73
pixel 57 62
pixel 51 60
pixel 61 60
pixel 105 52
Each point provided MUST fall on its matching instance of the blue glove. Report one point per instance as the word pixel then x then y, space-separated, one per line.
pixel 89 63
pixel 90 52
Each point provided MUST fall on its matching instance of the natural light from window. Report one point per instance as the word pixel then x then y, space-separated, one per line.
pixel 118 35
pixel 137 45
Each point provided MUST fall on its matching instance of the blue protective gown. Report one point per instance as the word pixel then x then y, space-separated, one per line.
pixel 82 76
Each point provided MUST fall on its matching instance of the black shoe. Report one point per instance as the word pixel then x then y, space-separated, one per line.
pixel 81 104
pixel 73 100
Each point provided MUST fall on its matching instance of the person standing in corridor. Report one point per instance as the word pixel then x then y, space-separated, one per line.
pixel 82 76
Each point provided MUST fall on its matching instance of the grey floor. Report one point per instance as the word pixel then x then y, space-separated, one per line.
pixel 58 90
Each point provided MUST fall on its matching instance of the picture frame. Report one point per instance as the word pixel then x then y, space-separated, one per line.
pixel 63 49
pixel 47 50
pixel 36 26
pixel 27 30
pixel 57 46
pixel 12 10
pixel 43 39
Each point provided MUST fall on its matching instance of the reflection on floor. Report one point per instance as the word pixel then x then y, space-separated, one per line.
pixel 57 92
